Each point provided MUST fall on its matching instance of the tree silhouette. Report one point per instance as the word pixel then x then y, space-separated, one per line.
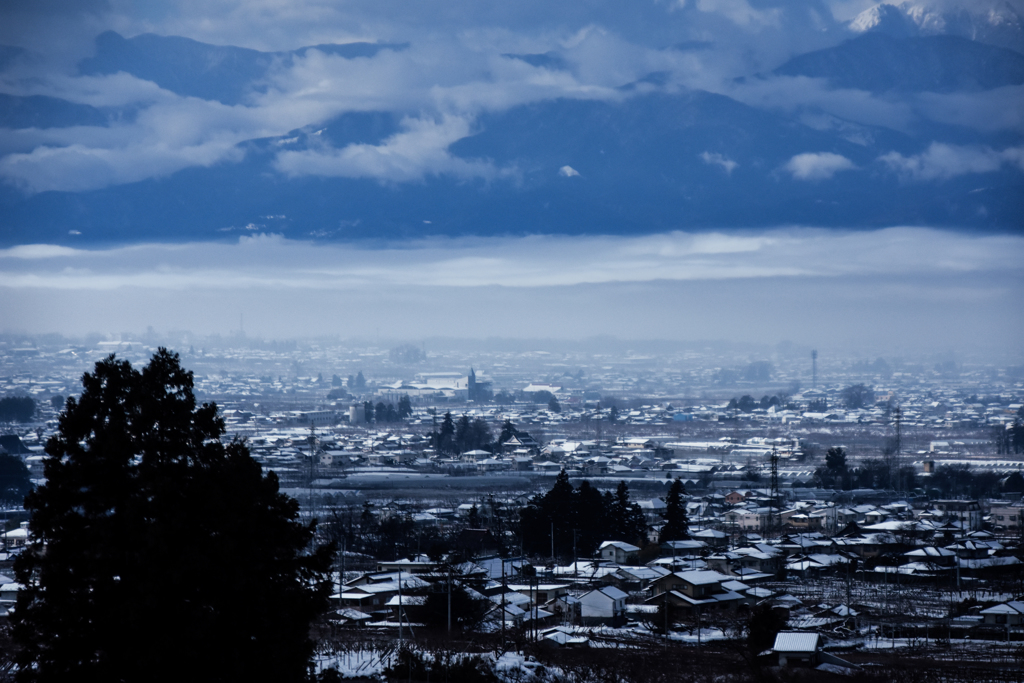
pixel 15 480
pixel 626 518
pixel 677 526
pixel 159 553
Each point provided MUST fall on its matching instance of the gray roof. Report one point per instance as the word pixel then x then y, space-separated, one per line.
pixel 795 641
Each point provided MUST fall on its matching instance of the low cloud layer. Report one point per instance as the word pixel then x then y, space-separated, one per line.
pixel 894 286
pixel 941 161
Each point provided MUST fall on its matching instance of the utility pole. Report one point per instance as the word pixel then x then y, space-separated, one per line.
pixel 898 415
pixel 504 588
pixel 774 492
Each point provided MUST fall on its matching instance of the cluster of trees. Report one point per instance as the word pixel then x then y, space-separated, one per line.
pixel 453 437
pixel 857 396
pixel 748 404
pixel 407 354
pixel 159 553
pixel 957 480
pixel 948 481
pixel 581 519
pixel 876 473
pixel 383 413
pixel 1011 439
pixel 15 481
pixel 17 409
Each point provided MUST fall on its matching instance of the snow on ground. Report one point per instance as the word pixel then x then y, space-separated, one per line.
pixel 354 663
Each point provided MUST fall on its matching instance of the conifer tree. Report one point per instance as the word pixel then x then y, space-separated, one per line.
pixel 677 526
pixel 158 553
pixel 626 519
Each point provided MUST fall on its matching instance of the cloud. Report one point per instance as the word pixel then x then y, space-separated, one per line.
pixel 455 67
pixel 716 159
pixel 268 260
pixel 818 166
pixel 758 286
pixel 568 172
pixel 740 12
pixel 420 150
pixel 942 161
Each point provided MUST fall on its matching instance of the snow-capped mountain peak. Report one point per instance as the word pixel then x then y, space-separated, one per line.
pixel 996 22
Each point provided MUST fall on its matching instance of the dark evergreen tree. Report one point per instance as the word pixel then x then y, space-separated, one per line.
pixel 481 434
pixel 765 623
pixel 380 413
pixel 446 436
pixel 588 525
pixel 360 381
pixel 554 406
pixel 15 480
pixel 158 553
pixel 57 403
pixel 474 518
pixel 404 407
pixel 508 430
pixel 368 411
pixel 626 520
pixel 552 511
pixel 17 409
pixel 677 526
pixel 464 434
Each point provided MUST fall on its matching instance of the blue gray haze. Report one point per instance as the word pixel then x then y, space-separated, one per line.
pixel 838 172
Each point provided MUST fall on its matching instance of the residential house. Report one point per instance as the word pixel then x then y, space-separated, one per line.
pixel 605 605
pixel 1005 614
pixel 618 552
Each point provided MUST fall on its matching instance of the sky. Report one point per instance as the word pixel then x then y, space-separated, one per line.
pixel 447 65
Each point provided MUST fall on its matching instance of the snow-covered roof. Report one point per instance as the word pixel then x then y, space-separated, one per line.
pixel 795 641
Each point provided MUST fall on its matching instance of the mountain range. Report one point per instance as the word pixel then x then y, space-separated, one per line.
pixel 654 157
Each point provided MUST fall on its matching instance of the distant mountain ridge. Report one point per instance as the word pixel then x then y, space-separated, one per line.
pixel 994 23
pixel 656 159
pixel 212 72
pixel 880 62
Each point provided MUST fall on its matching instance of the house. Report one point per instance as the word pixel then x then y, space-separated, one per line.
pixel 697 589
pixel 618 552
pixel 713 537
pixel 695 584
pixel 561 637
pixel 967 512
pixel 1008 517
pixel 605 605
pixel 736 497
pixel 541 592
pixel 1005 614
pixel 794 647
pixel 16 538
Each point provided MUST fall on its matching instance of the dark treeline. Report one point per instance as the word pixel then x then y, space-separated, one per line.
pixel 580 519
pixel 948 481
pixel 852 397
pixel 17 409
pixel 383 413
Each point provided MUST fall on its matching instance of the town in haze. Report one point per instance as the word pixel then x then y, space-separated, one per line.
pixel 671 341
pixel 841 514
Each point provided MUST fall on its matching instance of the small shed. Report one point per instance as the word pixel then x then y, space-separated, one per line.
pixel 796 647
